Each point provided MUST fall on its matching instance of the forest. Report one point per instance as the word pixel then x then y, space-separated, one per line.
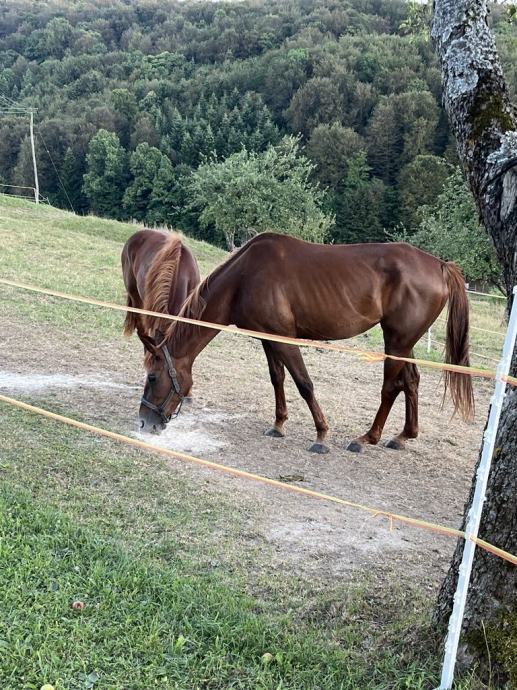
pixel 155 110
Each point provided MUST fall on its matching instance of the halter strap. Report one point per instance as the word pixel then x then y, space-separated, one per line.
pixel 175 389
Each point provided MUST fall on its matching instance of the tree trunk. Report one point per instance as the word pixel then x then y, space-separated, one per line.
pixel 483 121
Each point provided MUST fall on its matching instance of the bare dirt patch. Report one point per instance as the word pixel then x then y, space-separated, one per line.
pixel 233 405
pixel 34 383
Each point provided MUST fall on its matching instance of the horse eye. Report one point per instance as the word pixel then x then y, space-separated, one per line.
pixel 151 378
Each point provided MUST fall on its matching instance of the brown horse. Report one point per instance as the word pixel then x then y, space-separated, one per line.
pixel 159 272
pixel 282 285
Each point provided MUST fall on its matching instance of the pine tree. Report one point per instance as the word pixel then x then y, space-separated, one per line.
pixel 188 153
pixel 162 207
pixel 106 174
pixel 144 165
pixel 358 204
pixel 72 172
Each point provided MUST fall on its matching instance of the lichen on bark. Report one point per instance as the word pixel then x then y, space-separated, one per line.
pixel 489 110
pixel 500 637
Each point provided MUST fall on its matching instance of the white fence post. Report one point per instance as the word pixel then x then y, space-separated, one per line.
pixel 474 516
pixel 429 335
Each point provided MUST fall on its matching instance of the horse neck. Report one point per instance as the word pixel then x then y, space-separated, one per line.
pixel 188 340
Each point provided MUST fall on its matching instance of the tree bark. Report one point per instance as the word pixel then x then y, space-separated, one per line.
pixel 484 123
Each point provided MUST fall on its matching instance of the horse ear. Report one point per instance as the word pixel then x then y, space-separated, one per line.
pixel 148 342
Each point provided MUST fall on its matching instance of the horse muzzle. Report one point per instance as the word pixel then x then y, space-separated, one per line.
pixel 150 422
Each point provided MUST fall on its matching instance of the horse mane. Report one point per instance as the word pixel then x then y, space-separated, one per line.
pixel 192 308
pixel 160 282
pixel 195 304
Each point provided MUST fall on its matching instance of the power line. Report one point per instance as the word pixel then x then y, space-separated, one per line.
pixel 7 100
pixel 57 173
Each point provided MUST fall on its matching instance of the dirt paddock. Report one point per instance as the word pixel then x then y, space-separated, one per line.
pixel 234 404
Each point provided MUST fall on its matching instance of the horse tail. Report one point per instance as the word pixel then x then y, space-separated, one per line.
pixel 457 342
pixel 132 321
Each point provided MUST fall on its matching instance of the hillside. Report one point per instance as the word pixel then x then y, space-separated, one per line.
pixel 186 574
pixel 174 82
pixel 51 248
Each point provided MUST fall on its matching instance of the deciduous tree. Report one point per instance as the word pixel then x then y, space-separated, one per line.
pixel 450 229
pixel 483 121
pixel 252 192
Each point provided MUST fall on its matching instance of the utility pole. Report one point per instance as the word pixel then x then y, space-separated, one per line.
pixel 9 107
pixel 36 181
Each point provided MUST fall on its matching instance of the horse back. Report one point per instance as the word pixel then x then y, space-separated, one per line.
pixel 333 291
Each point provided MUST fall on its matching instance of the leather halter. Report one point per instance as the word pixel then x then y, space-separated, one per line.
pixel 175 388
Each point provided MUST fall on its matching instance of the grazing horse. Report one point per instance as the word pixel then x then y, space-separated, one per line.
pixel 159 273
pixel 285 286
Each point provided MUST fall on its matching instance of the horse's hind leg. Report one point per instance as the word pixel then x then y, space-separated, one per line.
pixel 291 356
pixel 398 376
pixel 392 385
pixel 411 379
pixel 277 374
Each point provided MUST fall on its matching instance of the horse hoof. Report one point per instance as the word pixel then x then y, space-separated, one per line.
pixel 319 448
pixel 355 447
pixel 274 433
pixel 394 444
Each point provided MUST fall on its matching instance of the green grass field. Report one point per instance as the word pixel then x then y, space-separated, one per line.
pixel 146 624
pixel 51 248
pixel 82 518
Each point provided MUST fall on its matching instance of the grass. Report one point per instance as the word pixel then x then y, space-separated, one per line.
pixel 143 625
pixel 81 255
pixel 486 347
pixel 172 598
pixel 84 521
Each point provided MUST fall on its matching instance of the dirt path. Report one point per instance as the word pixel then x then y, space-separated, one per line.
pixel 233 405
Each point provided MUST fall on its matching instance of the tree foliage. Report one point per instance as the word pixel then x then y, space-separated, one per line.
pixel 359 202
pixel 251 192
pixel 196 79
pixel 450 229
pixel 106 167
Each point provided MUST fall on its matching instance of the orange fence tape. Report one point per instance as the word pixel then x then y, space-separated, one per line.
pixel 368 355
pixel 243 474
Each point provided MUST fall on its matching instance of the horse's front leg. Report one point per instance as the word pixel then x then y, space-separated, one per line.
pixel 291 356
pixel 277 374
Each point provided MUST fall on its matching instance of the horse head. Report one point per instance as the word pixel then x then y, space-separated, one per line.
pixel 166 385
